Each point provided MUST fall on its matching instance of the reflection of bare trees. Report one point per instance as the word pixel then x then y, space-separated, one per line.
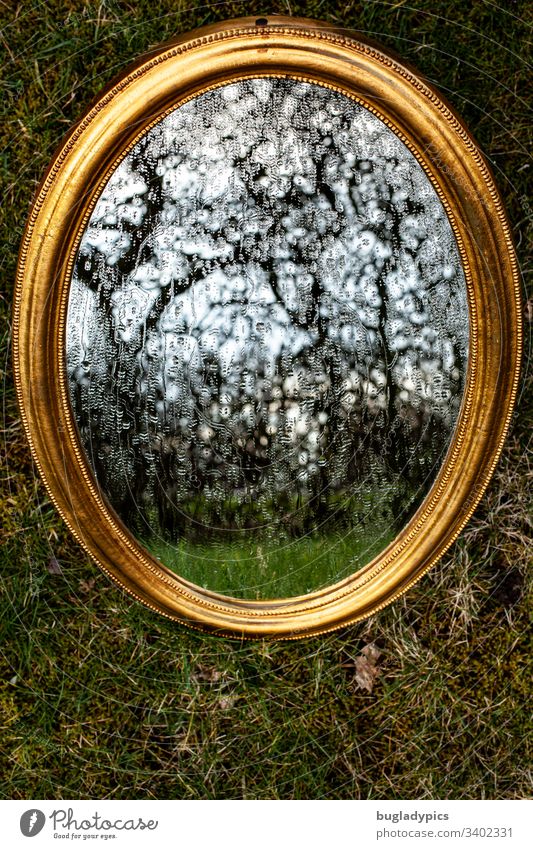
pixel 267 316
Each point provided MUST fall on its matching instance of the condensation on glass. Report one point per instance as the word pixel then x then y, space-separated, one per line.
pixel 267 338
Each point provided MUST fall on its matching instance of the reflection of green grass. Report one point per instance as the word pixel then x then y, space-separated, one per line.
pixel 272 556
pixel 269 569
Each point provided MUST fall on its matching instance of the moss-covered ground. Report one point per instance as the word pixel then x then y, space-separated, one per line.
pixel 99 697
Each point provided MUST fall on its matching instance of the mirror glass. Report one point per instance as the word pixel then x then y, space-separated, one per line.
pixel 267 338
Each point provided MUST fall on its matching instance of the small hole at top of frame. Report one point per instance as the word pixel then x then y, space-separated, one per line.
pixel 261 22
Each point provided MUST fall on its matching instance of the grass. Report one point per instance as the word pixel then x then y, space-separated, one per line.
pixel 267 554
pixel 99 697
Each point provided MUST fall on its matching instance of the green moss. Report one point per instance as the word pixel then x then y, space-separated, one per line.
pixel 102 698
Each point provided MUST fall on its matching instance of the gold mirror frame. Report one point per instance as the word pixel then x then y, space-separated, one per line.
pixel 173 73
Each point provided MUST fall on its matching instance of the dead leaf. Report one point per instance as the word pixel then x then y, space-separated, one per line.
pixel 366 669
pixel 529 309
pixel 87 586
pixel 53 566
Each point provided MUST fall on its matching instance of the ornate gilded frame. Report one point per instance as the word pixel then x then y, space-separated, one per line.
pixel 169 75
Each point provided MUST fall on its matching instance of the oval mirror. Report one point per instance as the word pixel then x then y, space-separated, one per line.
pixel 267 328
